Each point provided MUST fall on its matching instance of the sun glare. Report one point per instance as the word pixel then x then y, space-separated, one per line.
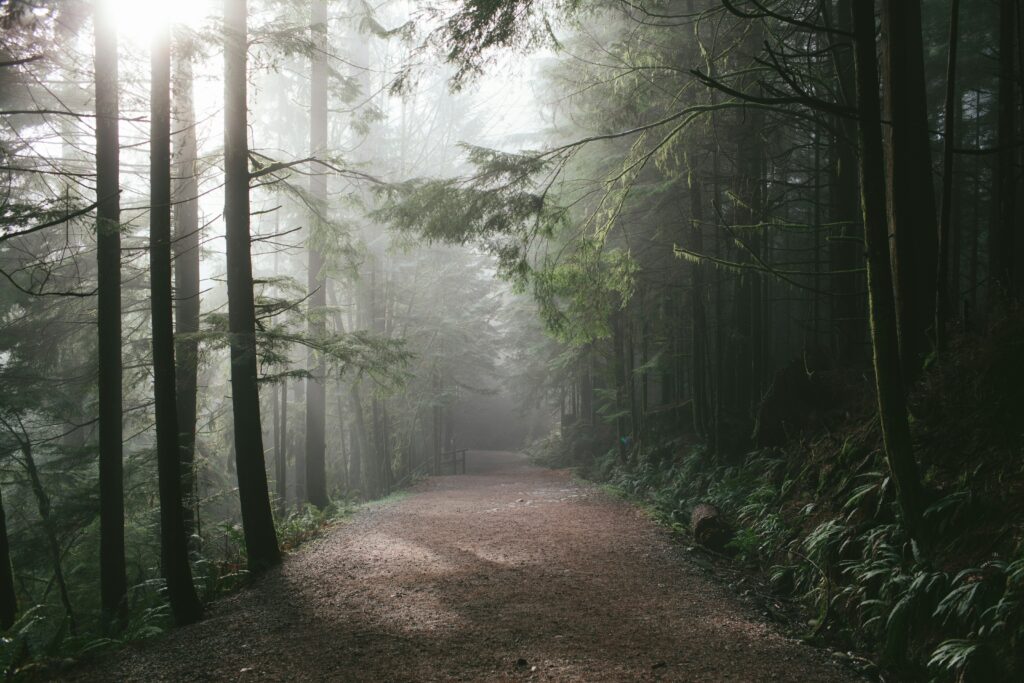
pixel 137 19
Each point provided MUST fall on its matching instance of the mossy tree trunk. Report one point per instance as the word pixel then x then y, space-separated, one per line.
pixel 892 408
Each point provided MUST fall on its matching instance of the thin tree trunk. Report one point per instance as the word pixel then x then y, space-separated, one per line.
pixel 942 307
pixel 298 450
pixel 361 466
pixel 910 193
pixel 186 274
pixel 344 451
pixel 113 580
pixel 316 394
pixel 1003 243
pixel 892 408
pixel 620 383
pixel 971 305
pixel 387 473
pixel 173 540
pixel 847 251
pixel 698 330
pixel 8 596
pixel 257 519
pixel 281 464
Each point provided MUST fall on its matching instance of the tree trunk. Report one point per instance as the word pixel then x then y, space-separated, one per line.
pixel 113 580
pixel 173 540
pixel 709 528
pixel 942 301
pixel 281 462
pixel 587 388
pixel 186 274
pixel 361 465
pixel 892 409
pixel 8 596
pixel 343 449
pixel 316 396
pixel 910 192
pixel 698 328
pixel 257 519
pixel 1002 242
pixel 619 365
pixel 846 251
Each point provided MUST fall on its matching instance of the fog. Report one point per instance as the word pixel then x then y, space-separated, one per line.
pixel 263 262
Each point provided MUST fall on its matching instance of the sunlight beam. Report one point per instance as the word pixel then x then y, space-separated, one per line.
pixel 137 21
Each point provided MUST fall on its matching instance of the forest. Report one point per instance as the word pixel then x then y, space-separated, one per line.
pixel 274 270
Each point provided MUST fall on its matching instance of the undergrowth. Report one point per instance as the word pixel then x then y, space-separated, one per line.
pixel 33 649
pixel 820 519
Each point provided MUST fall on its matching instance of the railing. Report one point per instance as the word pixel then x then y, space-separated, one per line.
pixel 450 458
pixel 418 471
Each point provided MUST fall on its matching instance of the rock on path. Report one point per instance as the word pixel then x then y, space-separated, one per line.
pixel 509 573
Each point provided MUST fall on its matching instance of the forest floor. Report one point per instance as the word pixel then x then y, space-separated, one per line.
pixel 510 572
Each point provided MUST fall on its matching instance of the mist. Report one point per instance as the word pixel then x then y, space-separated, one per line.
pixel 454 271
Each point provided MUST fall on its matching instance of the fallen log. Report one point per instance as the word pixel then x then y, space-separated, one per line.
pixel 709 528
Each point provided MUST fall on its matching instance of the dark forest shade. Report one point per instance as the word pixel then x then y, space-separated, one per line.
pixel 257 519
pixel 174 560
pixel 113 582
pixel 316 396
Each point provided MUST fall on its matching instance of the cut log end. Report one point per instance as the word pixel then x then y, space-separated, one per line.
pixel 709 528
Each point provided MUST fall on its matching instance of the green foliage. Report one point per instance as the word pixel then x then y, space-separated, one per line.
pixel 859 574
pixel 300 526
pixel 501 206
pixel 578 294
pixel 477 28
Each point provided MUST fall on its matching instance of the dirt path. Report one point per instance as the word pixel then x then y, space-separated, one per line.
pixel 509 573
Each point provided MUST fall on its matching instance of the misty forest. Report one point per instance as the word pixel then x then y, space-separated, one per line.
pixel 494 340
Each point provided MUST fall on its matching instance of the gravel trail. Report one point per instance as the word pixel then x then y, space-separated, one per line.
pixel 508 573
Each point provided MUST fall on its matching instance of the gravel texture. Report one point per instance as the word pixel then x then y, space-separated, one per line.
pixel 507 573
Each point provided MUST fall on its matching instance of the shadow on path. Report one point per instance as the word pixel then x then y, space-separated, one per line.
pixel 509 572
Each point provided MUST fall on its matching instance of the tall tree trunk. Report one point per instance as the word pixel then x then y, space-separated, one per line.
pixel 1003 245
pixel 698 329
pixel 587 388
pixel 910 192
pixel 316 395
pixel 343 449
pixel 186 273
pixel 297 448
pixel 387 473
pixel 892 409
pixel 361 462
pixel 846 251
pixel 973 281
pixel 113 580
pixel 257 519
pixel 173 541
pixel 630 376
pixel 8 596
pixel 281 462
pixel 942 307
pixel 619 365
